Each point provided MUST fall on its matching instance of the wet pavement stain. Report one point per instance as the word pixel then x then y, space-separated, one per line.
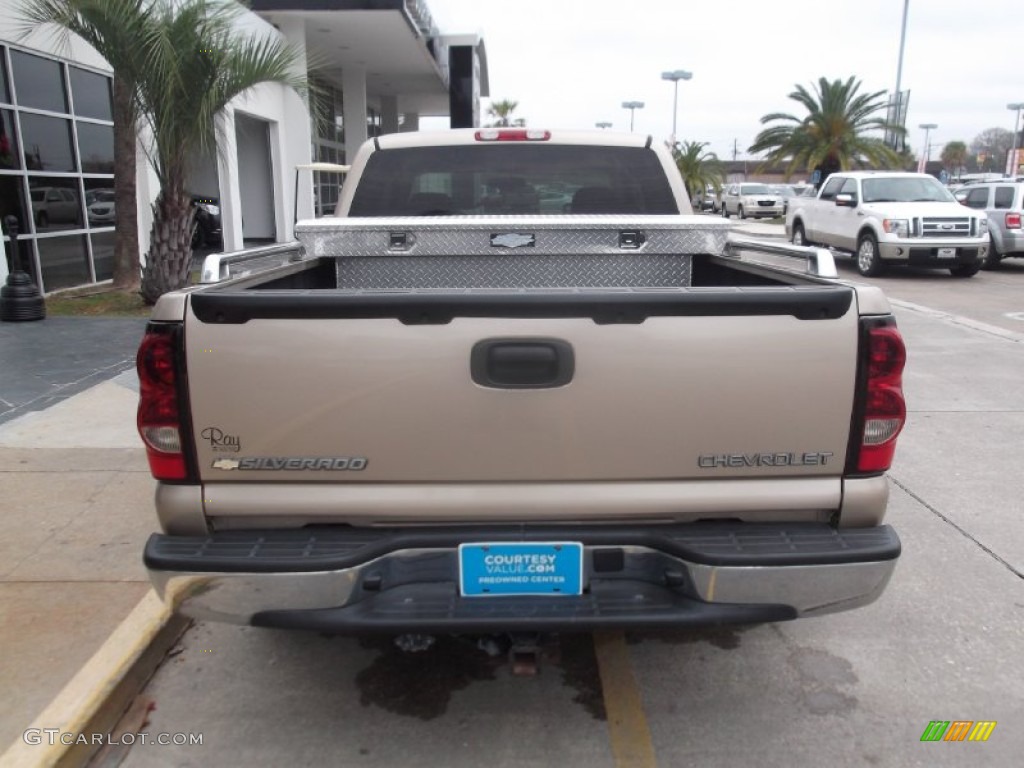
pixel 727 638
pixel 580 671
pixel 822 674
pixel 421 684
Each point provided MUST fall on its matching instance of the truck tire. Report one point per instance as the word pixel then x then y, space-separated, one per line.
pixel 725 211
pixel 992 258
pixel 740 213
pixel 869 263
pixel 965 270
pixel 799 238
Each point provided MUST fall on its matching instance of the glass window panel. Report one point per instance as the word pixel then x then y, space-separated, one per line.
pixel 12 202
pixel 96 147
pixel 1004 197
pixel 91 94
pixel 8 141
pixel 103 255
pixel 47 143
pixel 64 261
pixel 38 82
pixel 99 203
pixel 56 204
pixel 5 89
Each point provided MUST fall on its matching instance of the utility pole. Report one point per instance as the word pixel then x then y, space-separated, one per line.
pixel 734 150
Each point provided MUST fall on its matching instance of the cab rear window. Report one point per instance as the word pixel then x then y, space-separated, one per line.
pixel 513 179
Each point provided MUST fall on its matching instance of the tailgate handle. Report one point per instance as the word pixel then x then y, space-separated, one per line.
pixel 522 363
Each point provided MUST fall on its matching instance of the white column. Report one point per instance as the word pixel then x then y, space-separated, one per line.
pixel 353 89
pixel 389 114
pixel 293 138
pixel 230 192
pixel 147 187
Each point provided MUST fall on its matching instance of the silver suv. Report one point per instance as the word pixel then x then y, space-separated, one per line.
pixel 751 200
pixel 1003 203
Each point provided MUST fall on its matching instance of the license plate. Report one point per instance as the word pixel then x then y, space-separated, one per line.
pixel 534 568
pixel 947 253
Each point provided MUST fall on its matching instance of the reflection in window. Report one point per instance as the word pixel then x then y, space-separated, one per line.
pixel 64 261
pixel 5 89
pixel 8 140
pixel 55 203
pixel 12 203
pixel 96 147
pixel 47 143
pixel 99 202
pixel 39 82
pixel 91 94
pixel 103 255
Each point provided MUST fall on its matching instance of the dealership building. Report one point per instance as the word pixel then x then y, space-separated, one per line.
pixel 380 65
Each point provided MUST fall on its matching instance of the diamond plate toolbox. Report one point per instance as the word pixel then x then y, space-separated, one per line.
pixel 466 252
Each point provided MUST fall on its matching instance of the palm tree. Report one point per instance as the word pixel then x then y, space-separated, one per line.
pixel 502 111
pixel 189 62
pixel 954 157
pixel 698 167
pixel 832 136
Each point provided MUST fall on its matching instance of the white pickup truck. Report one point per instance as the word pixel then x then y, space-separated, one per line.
pixel 886 218
pixel 451 409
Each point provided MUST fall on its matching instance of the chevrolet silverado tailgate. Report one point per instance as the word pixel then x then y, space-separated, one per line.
pixel 550 384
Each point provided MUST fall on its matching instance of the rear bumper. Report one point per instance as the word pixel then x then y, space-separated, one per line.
pixel 343 579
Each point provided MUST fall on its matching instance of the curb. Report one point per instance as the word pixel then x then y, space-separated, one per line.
pixel 102 690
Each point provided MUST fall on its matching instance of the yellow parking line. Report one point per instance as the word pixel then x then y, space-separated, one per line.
pixel 627 724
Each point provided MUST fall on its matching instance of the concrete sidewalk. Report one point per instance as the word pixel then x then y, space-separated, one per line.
pixel 76 505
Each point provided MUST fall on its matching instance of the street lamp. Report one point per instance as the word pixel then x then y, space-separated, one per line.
pixel 603 124
pixel 675 76
pixel 632 106
pixel 1016 131
pixel 923 165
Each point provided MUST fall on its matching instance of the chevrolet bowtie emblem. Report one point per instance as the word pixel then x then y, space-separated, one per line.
pixel 226 464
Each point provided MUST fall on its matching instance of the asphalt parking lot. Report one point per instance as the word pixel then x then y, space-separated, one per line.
pixel 943 643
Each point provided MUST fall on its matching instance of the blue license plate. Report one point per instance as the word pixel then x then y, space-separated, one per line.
pixel 548 568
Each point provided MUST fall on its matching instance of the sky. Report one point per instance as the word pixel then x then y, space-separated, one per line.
pixel 571 63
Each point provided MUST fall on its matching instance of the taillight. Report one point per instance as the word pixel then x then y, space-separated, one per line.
pixel 512 134
pixel 159 419
pixel 1013 221
pixel 885 410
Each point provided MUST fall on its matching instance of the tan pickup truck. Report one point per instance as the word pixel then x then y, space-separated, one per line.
pixel 517 385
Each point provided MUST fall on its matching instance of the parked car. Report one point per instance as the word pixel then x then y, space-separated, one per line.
pixel 705 200
pixel 755 201
pixel 1003 203
pixel 208 228
pixel 99 205
pixel 786 191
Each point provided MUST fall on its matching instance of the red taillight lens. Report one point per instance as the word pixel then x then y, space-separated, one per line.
pixel 885 410
pixel 158 418
pixel 1013 221
pixel 512 134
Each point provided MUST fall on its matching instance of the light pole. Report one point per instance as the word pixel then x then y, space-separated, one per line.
pixel 603 124
pixel 899 77
pixel 632 106
pixel 1013 165
pixel 921 166
pixel 675 76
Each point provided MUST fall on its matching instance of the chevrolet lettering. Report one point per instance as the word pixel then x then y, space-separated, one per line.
pixel 713 461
